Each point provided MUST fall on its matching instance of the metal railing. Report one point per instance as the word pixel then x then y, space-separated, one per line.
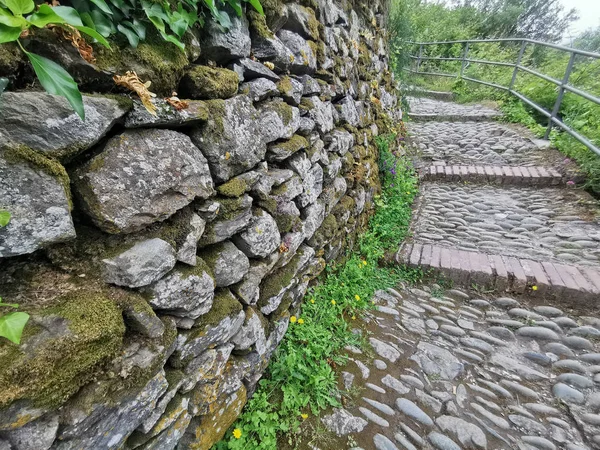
pixel 563 85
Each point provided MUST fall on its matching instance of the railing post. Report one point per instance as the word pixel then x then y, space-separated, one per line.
pixel 419 58
pixel 464 60
pixel 561 94
pixel 518 63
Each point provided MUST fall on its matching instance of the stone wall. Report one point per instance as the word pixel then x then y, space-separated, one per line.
pixel 160 256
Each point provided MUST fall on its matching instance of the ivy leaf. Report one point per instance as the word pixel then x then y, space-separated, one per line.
pixel 58 14
pixel 257 6
pixel 9 34
pixel 94 34
pixel 102 5
pixel 9 20
pixel 12 324
pixel 102 24
pixel 131 35
pixel 4 215
pixel 57 81
pixel 19 7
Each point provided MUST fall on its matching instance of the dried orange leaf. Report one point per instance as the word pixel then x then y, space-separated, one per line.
pixel 72 35
pixel 132 82
pixel 176 103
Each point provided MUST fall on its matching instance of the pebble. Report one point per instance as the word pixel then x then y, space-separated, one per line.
pixel 529 425
pixel 585 331
pixel 465 324
pixel 493 418
pixel 506 302
pixel 413 411
pixel 364 370
pixel 371 416
pixel 383 443
pixel 442 442
pixel 567 393
pixel 506 323
pixel 380 364
pixel 413 435
pixel 452 330
pixel 565 322
pixel 501 333
pixel 558 349
pixel 540 408
pixel 348 379
pixel 394 384
pixel 591 358
pixel 524 314
pixel 477 344
pixel 519 389
pixel 548 311
pixel 384 350
pixel 577 343
pixel 569 365
pixel 375 388
pixel 538 358
pixel 497 388
pixel 539 442
pixel 576 380
pixel 540 333
pixel 385 409
pixel 592 419
pixel 413 381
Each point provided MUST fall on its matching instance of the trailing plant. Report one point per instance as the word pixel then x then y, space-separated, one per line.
pixel 100 19
pixel 300 380
pixel 4 218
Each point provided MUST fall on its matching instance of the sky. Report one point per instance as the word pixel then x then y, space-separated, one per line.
pixel 589 15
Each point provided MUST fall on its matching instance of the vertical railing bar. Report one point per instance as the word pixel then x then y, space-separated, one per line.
pixel 519 58
pixel 561 93
pixel 419 59
pixel 464 60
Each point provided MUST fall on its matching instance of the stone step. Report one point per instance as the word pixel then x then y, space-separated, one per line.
pixel 504 273
pixel 416 91
pixel 505 175
pixel 426 109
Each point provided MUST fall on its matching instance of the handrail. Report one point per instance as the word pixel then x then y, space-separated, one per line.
pixel 563 85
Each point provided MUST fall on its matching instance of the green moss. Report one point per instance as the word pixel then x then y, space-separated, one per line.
pixel 56 366
pixel 306 103
pixel 258 24
pixel 283 110
pixel 325 232
pixel 49 165
pixel 281 278
pixel 312 23
pixel 199 269
pixel 235 187
pixel 224 305
pixel 204 82
pixel 155 59
pixel 293 144
pixel 313 47
pixel 124 102
pixel 286 222
pixel 10 59
pixel 230 207
pixel 284 86
pixel 216 112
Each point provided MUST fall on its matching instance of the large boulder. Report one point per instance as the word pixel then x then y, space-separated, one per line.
pixel 302 20
pixel 48 124
pixel 167 115
pixel 271 49
pixel 231 138
pixel 227 262
pixel 261 237
pixel 304 52
pixel 141 265
pixel 223 46
pixel 142 176
pixel 185 292
pixel 35 190
pixel 203 82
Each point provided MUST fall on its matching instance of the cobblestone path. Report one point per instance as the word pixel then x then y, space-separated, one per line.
pixel 496 208
pixel 510 357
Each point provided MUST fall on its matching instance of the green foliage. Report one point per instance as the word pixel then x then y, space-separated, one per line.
pixel 4 218
pixel 12 323
pixel 100 19
pixel 300 378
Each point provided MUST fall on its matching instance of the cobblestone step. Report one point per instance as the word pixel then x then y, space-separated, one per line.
pixel 426 109
pixel 504 273
pixel 416 91
pixel 505 175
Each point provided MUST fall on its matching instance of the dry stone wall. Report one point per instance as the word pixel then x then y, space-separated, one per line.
pixel 160 256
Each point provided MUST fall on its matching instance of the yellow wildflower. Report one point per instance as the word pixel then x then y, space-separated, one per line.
pixel 333 302
pixel 300 321
pixel 353 317
pixel 364 263
pixel 534 288
pixel 312 300
pixel 237 433
pixel 293 319
pixel 357 297
pixel 304 416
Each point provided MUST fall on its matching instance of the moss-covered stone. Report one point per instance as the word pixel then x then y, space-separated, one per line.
pixel 49 165
pixel 236 187
pixel 154 60
pixel 274 283
pixel 11 57
pixel 204 82
pixel 224 305
pixel 71 342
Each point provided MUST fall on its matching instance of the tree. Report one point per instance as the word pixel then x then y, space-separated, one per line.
pixel 589 40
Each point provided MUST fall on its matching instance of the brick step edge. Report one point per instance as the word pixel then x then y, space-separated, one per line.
pixel 436 95
pixel 515 175
pixel 505 273
pixel 483 117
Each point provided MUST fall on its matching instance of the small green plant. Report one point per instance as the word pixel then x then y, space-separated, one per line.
pixel 301 379
pixel 4 218
pixel 12 323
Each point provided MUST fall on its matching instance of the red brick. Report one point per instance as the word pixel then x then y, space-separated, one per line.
pixel 515 273
pixel 565 275
pixel 584 285
pixel 535 176
pixel 426 256
pixel 535 275
pixel 436 257
pixel 446 259
pixel 545 175
pixel 593 276
pixel 558 285
pixel 415 255
pixel 500 272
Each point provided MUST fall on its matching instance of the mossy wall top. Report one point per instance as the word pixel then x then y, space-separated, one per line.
pixel 160 256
